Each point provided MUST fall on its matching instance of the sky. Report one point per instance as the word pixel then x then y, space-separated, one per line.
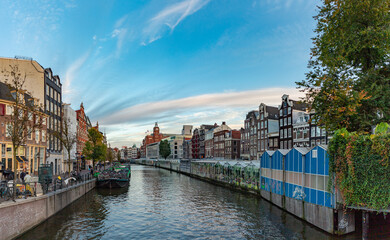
pixel 175 62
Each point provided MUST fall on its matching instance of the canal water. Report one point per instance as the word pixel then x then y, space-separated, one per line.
pixel 160 204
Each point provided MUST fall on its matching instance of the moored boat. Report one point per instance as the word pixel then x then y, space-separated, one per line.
pixel 115 177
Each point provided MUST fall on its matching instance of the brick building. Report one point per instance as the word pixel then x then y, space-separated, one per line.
pixel 156 136
pixel 83 125
pixel 219 140
pixel 31 154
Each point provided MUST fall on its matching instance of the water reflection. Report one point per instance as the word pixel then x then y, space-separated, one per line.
pixel 168 205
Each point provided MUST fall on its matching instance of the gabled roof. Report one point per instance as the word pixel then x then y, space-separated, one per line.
pixel 302 150
pixel 269 152
pixel 273 112
pixel 325 147
pixel 283 151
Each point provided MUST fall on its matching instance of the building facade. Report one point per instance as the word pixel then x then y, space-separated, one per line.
pixel 83 125
pixel 301 130
pixel 317 134
pixel 156 136
pixel 70 118
pixel 232 144
pixel 195 144
pixel 267 123
pixel 219 140
pixel 33 152
pixel 53 107
pixel 288 113
pixel 250 139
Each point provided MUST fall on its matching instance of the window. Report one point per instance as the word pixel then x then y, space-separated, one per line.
pixel 289 132
pixel 29 134
pixel 289 110
pixel 281 133
pixel 281 112
pixel 289 120
pixel 281 122
pixel 47 90
pixel 37 136
pixel 43 136
pixel 3 150
pixel 313 131
pixel 265 123
pixel 314 154
pixel 9 110
pixel 8 130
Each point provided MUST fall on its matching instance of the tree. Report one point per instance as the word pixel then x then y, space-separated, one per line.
pixel 94 148
pixel 165 149
pixel 118 155
pixel 348 83
pixel 110 155
pixel 66 137
pixel 26 117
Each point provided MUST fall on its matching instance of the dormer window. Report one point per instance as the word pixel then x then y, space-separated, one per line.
pixel 13 93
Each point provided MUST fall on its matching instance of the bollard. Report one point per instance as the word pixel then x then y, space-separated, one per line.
pixel 365 224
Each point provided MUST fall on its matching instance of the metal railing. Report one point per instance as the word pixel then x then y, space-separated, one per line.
pixel 33 187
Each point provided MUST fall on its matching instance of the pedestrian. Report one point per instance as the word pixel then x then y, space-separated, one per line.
pixel 22 175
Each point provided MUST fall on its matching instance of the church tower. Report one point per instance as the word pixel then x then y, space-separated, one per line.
pixel 156 130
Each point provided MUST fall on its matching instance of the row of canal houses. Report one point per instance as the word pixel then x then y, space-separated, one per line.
pixel 282 156
pixel 295 180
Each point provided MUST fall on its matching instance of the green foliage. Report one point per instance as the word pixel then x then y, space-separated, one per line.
pixel 348 83
pixel 360 167
pixel 165 149
pixel 94 148
pixel 382 128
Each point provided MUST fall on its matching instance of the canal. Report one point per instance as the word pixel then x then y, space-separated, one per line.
pixel 160 204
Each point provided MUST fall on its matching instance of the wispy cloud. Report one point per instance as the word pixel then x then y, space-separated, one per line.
pixel 169 18
pixel 219 101
pixel 128 126
pixel 71 73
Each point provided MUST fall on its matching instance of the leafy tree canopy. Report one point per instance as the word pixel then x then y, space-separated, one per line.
pixel 165 149
pixel 94 148
pixel 348 82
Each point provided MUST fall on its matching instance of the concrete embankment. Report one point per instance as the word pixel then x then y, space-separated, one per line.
pixel 331 220
pixel 24 214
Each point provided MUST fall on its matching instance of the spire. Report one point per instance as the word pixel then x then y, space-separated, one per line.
pixel 156 125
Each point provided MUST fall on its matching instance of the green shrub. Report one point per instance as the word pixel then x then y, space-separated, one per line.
pixel 359 165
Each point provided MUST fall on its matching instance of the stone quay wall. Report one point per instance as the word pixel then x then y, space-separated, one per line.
pixel 18 217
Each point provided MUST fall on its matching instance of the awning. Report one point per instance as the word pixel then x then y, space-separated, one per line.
pixel 19 159
pixel 24 158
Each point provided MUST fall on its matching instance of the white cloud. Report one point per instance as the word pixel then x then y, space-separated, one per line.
pixel 170 17
pixel 71 72
pixel 217 101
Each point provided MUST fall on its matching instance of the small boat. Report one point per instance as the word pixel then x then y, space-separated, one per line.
pixel 115 177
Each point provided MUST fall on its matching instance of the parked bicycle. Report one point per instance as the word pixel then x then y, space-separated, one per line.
pixel 5 191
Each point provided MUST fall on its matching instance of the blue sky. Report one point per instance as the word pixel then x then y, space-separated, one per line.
pixel 177 62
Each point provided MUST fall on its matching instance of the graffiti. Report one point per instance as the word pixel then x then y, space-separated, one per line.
pixel 299 193
pixel 343 224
